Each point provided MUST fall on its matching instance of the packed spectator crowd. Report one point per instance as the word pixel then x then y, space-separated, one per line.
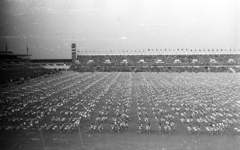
pixel 165 59
pixel 159 63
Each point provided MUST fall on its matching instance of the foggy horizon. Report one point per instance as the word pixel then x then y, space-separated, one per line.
pixel 48 28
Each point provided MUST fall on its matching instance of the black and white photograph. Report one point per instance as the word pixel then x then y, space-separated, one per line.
pixel 119 74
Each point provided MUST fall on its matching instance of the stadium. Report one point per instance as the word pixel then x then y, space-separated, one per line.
pixel 102 101
pixel 119 75
pixel 163 62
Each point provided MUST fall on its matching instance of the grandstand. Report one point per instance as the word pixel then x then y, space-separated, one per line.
pixel 53 64
pixel 9 56
pixel 18 72
pixel 17 68
pixel 165 62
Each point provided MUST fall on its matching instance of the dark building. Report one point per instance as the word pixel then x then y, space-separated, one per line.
pixel 9 56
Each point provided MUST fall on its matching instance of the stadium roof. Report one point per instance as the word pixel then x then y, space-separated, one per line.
pixel 50 60
pixel 11 54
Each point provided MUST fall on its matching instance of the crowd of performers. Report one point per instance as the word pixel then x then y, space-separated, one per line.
pixel 119 119
pixel 163 119
pixel 59 103
pixel 103 101
pixel 119 107
pixel 172 109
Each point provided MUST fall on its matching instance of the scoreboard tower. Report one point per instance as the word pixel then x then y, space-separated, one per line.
pixel 74 52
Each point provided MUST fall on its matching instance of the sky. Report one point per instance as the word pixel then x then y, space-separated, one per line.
pixel 48 27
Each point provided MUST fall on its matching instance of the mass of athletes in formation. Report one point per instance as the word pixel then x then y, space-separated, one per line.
pixel 121 102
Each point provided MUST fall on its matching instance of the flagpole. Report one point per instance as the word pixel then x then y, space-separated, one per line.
pixel 27 54
pixel 6 51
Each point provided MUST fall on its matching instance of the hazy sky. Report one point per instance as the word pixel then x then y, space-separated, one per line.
pixel 49 27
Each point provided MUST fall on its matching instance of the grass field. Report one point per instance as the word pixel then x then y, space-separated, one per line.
pixel 213 96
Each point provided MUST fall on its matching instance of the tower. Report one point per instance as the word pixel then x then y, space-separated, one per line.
pixel 73 53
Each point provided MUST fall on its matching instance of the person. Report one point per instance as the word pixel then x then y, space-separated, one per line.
pixel 114 119
pixel 77 123
pixel 189 128
pixel 160 128
pixel 100 128
pixel 92 128
pixel 148 127
pixel 140 128
pixel 146 119
pixel 122 125
pixel 113 127
pixel 126 123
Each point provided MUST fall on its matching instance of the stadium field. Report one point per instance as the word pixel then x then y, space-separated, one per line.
pixel 122 111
